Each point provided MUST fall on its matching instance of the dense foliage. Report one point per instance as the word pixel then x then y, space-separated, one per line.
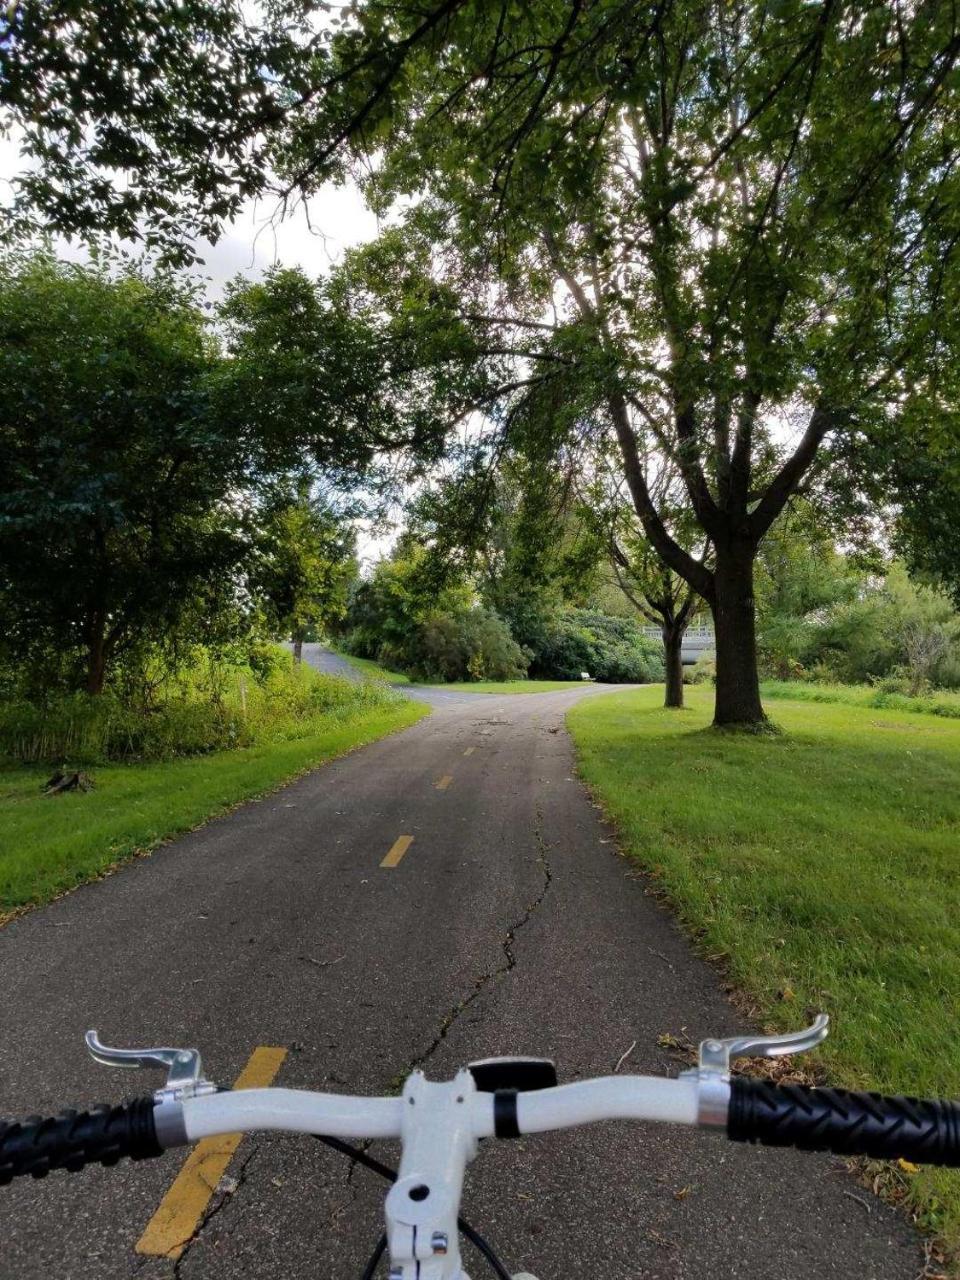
pixel 211 705
pixel 609 649
pixel 143 516
pixel 406 619
pixel 681 261
pixel 403 618
pixel 626 222
pixel 115 531
pixel 303 563
pixel 824 619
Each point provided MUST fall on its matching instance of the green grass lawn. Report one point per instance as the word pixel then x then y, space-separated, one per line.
pixel 371 669
pixel 49 844
pixel 939 702
pixel 823 866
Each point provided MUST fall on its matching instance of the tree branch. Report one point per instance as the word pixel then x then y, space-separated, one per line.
pixel 670 551
pixel 790 474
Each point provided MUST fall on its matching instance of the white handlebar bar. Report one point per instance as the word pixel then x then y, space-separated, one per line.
pixel 343 1116
pixel 291 1110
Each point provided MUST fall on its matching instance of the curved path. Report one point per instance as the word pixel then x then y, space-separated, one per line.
pixel 510 925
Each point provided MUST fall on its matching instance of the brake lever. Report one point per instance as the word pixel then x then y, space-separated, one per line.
pixel 715 1055
pixel 712 1071
pixel 183 1067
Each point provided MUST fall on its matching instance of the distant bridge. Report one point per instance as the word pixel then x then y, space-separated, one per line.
pixel 696 642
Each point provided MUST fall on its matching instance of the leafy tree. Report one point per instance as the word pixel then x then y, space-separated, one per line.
pixel 114 526
pixel 304 562
pixel 665 235
pixel 510 525
pixel 324 366
pixel 387 609
pixel 660 596
pixel 142 119
pixel 155 121
pixel 409 616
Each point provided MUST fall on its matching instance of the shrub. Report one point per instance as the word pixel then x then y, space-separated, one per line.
pixel 472 645
pixel 613 650
pixel 703 671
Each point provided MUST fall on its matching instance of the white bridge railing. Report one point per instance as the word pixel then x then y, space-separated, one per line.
pixel 696 642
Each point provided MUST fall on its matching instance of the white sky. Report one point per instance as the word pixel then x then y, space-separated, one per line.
pixel 253 242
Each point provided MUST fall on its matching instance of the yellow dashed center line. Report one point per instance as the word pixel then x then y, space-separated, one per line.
pixel 445 782
pixel 397 850
pixel 469 751
pixel 181 1210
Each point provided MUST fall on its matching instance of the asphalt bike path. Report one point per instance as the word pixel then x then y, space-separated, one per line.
pixel 503 922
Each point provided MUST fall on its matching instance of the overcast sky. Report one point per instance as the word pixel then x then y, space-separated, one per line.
pixel 253 241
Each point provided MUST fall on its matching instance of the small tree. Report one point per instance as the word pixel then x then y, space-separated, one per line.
pixel 664 599
pixel 303 564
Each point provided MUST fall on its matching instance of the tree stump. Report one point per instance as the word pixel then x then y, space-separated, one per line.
pixel 61 782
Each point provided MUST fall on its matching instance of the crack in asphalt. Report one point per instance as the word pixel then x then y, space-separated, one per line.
pixel 510 963
pixel 506 945
pixel 211 1212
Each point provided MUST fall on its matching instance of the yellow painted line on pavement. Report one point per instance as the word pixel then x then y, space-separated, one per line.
pixel 397 850
pixel 445 782
pixel 181 1210
pixel 469 751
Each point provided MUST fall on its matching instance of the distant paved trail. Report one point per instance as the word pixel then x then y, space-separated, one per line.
pixel 330 663
pixel 509 926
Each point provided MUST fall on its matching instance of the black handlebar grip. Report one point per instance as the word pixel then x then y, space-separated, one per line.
pixel 847 1123
pixel 73 1139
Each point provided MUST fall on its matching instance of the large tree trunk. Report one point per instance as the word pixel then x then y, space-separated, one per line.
pixel 734 620
pixel 96 653
pixel 298 647
pixel 673 664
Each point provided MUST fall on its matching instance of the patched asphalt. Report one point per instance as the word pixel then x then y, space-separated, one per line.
pixel 510 926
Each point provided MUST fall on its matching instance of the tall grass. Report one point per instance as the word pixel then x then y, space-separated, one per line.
pixel 203 710
pixel 939 703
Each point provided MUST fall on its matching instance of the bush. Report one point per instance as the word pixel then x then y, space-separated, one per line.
pixel 209 708
pixel 703 671
pixel 474 644
pixel 612 650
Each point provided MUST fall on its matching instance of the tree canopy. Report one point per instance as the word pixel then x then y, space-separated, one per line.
pixel 650 212
pixel 114 520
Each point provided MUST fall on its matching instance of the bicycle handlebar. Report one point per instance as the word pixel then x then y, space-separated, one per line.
pixel 836 1120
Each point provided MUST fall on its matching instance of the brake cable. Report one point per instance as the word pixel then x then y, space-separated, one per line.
pixel 361 1157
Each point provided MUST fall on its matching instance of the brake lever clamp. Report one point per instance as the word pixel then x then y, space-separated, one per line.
pixel 183 1067
pixel 712 1071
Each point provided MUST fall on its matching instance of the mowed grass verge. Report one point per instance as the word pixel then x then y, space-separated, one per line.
pixel 823 866
pixel 375 672
pixel 49 844
pixel 511 686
